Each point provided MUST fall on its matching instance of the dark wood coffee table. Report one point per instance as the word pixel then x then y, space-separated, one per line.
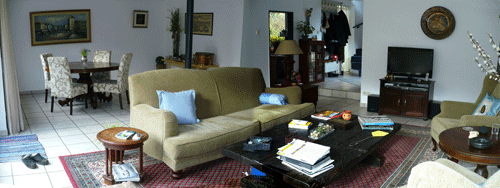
pixel 455 143
pixel 115 148
pixel 345 155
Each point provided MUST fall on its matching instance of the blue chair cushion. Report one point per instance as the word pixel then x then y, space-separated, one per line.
pixel 181 104
pixel 489 106
pixel 272 98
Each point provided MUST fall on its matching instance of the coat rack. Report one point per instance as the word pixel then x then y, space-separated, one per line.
pixel 332 6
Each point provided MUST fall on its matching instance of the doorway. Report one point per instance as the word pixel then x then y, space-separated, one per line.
pixel 280 28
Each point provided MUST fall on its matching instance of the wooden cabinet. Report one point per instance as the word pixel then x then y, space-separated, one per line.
pixel 309 93
pixel 405 97
pixel 311 62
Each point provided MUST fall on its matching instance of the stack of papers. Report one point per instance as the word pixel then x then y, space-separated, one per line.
pixel 299 124
pixel 306 157
pixel 125 172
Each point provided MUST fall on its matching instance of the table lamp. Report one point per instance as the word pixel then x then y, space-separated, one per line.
pixel 288 48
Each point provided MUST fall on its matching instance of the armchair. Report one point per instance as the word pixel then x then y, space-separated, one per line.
pixel 102 57
pixel 445 173
pixel 458 114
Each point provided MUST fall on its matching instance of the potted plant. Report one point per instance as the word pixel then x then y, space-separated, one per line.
pixel 305 29
pixel 159 63
pixel 175 29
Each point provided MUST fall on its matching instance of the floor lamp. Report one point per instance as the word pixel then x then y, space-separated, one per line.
pixel 288 48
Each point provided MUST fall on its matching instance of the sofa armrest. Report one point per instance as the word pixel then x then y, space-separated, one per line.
pixel 456 109
pixel 292 93
pixel 158 123
pixel 476 120
pixel 469 174
pixel 435 174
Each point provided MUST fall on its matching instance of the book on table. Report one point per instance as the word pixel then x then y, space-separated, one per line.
pixel 307 152
pixel 375 120
pixel 326 115
pixel 306 157
pixel 310 173
pixel 126 134
pixel 299 124
pixel 125 172
pixel 376 127
pixel 321 163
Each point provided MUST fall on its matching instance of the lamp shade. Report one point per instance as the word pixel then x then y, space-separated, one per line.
pixel 288 47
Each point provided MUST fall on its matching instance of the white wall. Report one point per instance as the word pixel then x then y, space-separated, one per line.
pixel 397 23
pixel 225 42
pixel 358 32
pixel 111 23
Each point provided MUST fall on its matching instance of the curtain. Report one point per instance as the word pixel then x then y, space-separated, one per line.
pixel 12 98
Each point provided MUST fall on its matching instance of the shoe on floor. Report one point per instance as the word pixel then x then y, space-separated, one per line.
pixel 39 159
pixel 28 161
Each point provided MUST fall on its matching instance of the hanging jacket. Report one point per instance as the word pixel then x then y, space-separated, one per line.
pixel 344 23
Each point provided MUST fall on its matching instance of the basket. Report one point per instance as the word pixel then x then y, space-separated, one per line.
pixel 204 58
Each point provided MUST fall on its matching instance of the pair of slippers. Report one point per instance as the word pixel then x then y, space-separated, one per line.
pixel 31 160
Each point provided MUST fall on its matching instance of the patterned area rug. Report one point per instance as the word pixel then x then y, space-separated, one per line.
pixel 410 146
pixel 13 147
pixel 87 170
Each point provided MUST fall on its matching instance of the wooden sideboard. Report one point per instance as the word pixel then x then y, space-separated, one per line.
pixel 193 66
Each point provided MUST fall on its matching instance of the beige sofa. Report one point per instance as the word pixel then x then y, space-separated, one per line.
pixel 227 103
pixel 444 173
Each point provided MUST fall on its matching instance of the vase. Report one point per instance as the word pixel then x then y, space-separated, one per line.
pixel 304 37
pixel 84 58
pixel 176 41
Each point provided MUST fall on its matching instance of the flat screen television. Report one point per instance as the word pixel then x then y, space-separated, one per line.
pixel 410 62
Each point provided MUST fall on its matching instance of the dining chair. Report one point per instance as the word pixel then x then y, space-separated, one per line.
pixel 119 85
pixel 46 73
pixel 101 57
pixel 62 83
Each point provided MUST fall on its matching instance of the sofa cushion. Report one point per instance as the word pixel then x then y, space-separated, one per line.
pixel 272 115
pixel 181 104
pixel 489 106
pixel 272 98
pixel 208 135
pixel 174 80
pixel 239 88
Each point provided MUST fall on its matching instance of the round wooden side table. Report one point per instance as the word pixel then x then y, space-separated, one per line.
pixel 455 143
pixel 115 148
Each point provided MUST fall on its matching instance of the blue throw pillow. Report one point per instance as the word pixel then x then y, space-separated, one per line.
pixel 489 106
pixel 181 104
pixel 272 98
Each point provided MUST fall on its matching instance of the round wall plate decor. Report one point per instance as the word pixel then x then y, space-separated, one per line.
pixel 437 22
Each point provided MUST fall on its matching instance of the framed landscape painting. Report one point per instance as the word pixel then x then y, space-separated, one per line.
pixel 60 27
pixel 202 23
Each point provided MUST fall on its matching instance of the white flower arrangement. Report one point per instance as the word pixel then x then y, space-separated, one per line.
pixel 487 66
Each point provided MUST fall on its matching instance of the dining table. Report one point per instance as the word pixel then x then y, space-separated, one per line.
pixel 84 69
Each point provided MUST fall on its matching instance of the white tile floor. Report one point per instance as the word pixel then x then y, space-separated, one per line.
pixel 62 134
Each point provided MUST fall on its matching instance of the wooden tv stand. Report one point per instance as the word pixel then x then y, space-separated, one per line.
pixel 403 96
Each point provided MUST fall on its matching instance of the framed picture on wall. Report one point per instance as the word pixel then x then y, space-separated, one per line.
pixel 140 19
pixel 203 23
pixel 60 27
